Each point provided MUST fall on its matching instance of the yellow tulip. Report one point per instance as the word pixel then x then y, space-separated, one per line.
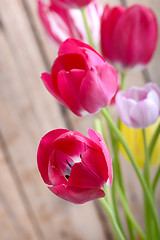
pixel 134 139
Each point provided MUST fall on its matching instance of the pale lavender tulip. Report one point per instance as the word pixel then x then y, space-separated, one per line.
pixel 61 23
pixel 139 107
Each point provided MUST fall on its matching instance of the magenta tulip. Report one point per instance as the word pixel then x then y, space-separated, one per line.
pixel 80 78
pixel 72 3
pixel 139 107
pixel 75 167
pixel 60 23
pixel 128 36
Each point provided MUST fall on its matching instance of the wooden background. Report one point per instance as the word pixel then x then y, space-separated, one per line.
pixel 28 210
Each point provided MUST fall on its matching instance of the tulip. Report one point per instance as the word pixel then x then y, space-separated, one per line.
pixel 134 139
pixel 75 167
pixel 128 36
pixel 80 78
pixel 60 23
pixel 139 107
pixel 72 3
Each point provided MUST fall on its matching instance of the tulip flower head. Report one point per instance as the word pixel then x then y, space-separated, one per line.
pixel 80 78
pixel 75 167
pixel 139 107
pixel 61 23
pixel 128 36
pixel 134 139
pixel 72 3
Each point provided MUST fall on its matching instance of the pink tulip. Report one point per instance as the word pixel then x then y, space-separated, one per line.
pixel 80 78
pixel 75 167
pixel 139 107
pixel 72 3
pixel 128 36
pixel 60 23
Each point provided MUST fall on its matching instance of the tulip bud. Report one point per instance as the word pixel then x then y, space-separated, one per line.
pixel 128 36
pixel 75 167
pixel 139 107
pixel 80 78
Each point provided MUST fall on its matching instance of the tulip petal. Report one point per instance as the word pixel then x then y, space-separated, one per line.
pixel 96 162
pixel 98 87
pixel 75 46
pixel 80 137
pixel 77 195
pixel 106 162
pixel 73 3
pixel 68 62
pixel 91 58
pixel 154 87
pixel 81 175
pixel 137 114
pixel 70 145
pixel 81 143
pixel 124 107
pixel 44 151
pixel 59 167
pixel 139 107
pixel 109 20
pixel 69 84
pixel 48 82
pixel 55 176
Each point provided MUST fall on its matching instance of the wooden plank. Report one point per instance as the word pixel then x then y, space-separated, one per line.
pixel 54 216
pixel 28 111
pixel 6 226
pixel 14 219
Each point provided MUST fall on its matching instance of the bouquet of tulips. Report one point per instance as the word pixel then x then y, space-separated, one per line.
pixel 77 168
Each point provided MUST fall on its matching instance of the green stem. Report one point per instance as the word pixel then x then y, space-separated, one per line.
pixel 154 139
pixel 134 164
pixel 89 35
pixel 99 128
pixel 108 198
pixel 120 179
pixel 113 140
pixel 117 172
pixel 112 218
pixel 155 181
pixel 120 182
pixel 129 213
pixel 147 160
pixel 148 217
pixel 123 81
pixel 114 200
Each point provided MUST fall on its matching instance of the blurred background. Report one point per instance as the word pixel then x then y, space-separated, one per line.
pixel 28 210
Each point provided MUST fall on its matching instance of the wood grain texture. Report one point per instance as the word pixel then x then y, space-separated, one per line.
pixel 14 219
pixel 27 113
pixel 27 209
